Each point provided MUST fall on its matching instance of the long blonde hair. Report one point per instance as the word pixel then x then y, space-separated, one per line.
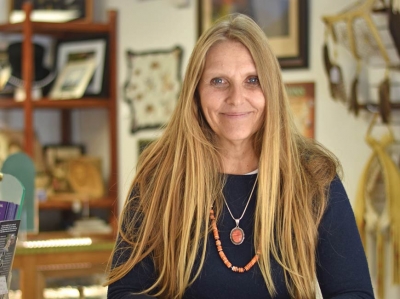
pixel 167 215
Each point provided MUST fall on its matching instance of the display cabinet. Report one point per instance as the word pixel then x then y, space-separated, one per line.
pixel 66 108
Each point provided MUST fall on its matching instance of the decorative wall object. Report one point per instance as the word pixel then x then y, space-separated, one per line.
pixel 365 29
pixel 152 86
pixel 284 23
pixel 301 97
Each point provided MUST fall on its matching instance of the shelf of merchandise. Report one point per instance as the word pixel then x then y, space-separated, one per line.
pixel 59 31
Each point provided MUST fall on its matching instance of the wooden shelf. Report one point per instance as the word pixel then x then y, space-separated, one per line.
pixel 63 202
pixel 8 103
pixel 56 28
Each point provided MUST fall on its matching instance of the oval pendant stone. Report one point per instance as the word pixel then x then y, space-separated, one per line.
pixel 237 236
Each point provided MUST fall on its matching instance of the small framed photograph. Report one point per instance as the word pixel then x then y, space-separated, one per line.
pixel 57 159
pixel 85 176
pixel 73 80
pixel 53 11
pixel 75 50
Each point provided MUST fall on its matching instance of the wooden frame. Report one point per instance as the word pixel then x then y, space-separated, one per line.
pixel 302 102
pixel 73 80
pixel 288 35
pixel 52 11
pixel 57 157
pixel 71 50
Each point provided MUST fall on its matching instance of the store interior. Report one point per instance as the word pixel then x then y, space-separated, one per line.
pixel 346 84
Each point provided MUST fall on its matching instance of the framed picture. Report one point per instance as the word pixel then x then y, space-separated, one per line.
pixel 73 80
pixel 73 50
pixel 302 102
pixel 152 86
pixel 57 159
pixel 54 11
pixel 84 176
pixel 283 21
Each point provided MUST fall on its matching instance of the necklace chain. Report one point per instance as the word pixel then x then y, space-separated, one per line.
pixel 245 208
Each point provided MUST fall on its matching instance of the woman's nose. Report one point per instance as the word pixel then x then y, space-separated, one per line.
pixel 236 95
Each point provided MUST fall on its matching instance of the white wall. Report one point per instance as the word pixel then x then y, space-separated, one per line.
pixel 146 25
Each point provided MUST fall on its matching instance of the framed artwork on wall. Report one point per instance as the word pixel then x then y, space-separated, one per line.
pixel 152 86
pixel 283 21
pixel 302 102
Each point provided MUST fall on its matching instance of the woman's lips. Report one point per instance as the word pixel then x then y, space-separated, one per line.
pixel 235 114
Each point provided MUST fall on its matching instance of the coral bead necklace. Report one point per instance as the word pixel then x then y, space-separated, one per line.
pixel 221 252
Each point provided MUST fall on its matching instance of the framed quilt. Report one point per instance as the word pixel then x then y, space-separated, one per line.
pixel 152 86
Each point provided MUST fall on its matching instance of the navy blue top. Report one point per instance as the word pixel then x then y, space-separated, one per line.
pixel 342 268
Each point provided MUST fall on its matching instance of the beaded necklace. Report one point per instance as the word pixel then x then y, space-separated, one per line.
pixel 221 252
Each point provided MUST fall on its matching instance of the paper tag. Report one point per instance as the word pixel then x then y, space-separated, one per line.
pixel 335 75
pixel 3 285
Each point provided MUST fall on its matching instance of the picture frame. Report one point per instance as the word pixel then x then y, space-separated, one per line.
pixel 72 50
pixel 73 80
pixel 285 23
pixel 57 157
pixel 85 176
pixel 53 11
pixel 302 102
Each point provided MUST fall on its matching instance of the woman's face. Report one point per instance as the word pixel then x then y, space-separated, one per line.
pixel 230 94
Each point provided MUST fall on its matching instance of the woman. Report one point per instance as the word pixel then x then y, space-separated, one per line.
pixel 231 201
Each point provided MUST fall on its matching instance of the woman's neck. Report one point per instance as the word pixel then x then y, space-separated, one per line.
pixel 240 162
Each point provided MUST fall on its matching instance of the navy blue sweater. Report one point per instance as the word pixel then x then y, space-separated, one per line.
pixel 342 269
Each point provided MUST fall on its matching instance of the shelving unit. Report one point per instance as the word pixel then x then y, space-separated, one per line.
pixel 64 31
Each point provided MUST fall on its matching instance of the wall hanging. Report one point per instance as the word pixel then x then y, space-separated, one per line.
pixel 152 86
pixel 364 29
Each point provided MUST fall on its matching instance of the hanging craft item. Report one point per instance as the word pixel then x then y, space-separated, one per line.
pixel 355 29
pixel 152 86
pixel 335 76
pixel 394 23
pixel 384 99
pixel 377 205
pixel 354 106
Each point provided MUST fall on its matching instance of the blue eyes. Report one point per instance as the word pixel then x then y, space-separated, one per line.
pixel 253 80
pixel 217 81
